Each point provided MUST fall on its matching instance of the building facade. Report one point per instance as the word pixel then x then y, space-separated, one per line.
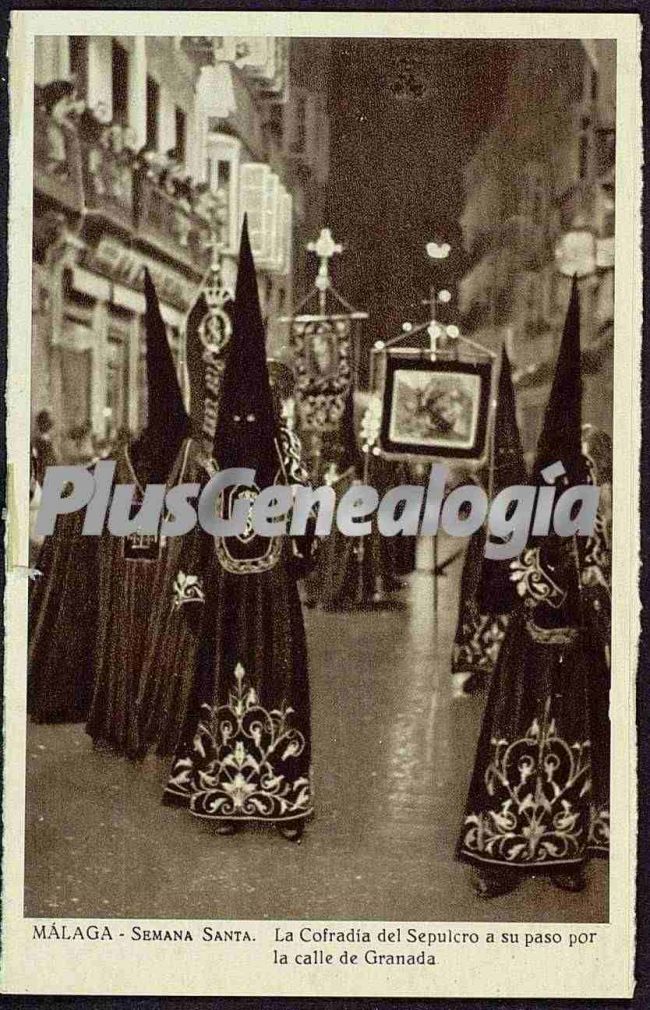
pixel 126 170
pixel 540 207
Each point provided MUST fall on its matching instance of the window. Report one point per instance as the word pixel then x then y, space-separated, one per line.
pixel 583 156
pixel 153 105
pixel 120 82
pixel 181 134
pixel 253 190
pixel 117 378
pixel 222 172
pixel 78 53
pixel 299 139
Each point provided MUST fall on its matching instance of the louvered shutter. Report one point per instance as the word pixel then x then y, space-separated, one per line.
pixel 252 201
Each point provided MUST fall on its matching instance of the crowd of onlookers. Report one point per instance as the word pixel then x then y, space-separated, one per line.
pixel 111 145
pixel 80 444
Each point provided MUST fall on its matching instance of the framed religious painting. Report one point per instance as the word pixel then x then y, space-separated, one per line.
pixel 435 408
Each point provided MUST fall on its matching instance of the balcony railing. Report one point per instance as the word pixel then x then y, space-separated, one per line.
pixel 80 175
pixel 166 224
pixel 57 162
pixel 108 184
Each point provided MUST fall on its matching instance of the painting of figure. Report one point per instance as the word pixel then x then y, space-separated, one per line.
pixel 435 408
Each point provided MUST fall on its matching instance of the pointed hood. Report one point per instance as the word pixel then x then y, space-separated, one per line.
pixel 560 438
pixel 247 424
pixel 496 590
pixel 167 419
pixel 509 466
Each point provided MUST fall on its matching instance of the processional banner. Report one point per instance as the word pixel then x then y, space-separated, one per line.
pixel 323 367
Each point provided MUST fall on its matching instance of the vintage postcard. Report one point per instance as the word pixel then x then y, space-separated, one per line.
pixel 322 523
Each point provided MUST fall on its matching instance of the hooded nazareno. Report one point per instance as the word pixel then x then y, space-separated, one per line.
pixel 486 592
pixel 90 612
pixel 245 752
pixel 154 453
pixel 538 798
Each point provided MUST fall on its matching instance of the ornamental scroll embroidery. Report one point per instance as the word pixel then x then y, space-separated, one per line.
pixel 291 451
pixel 533 581
pixel 244 760
pixel 248 553
pixel 541 789
pixel 478 648
pixel 187 589
pixel 323 370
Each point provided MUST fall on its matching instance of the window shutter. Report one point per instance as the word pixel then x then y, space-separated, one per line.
pixel 295 122
pixel 271 194
pixel 312 138
pixel 322 164
pixel 278 251
pixel 287 232
pixel 253 178
pixel 224 154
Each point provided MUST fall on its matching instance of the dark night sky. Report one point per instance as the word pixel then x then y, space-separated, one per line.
pixel 396 165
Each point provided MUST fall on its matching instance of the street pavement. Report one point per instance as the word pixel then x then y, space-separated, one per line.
pixel 392 754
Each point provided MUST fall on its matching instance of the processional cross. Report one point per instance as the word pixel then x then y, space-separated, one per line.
pixel 325 248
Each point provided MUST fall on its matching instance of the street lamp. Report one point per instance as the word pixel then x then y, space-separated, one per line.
pixel 438 250
pixel 575 253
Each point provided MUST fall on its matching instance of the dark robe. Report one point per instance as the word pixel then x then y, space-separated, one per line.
pixel 359 571
pixel 127 712
pixel 479 630
pixel 539 794
pixel 245 753
pixel 91 611
pixel 486 592
pixel 63 614
pixel 169 660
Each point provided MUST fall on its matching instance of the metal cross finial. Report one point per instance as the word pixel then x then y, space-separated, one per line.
pixel 431 303
pixel 325 247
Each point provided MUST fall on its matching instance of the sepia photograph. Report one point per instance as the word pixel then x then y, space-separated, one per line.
pixel 335 260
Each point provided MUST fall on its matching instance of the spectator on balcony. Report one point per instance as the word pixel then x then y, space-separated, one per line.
pixel 128 145
pixel 59 103
pixel 203 203
pixel 185 191
pixel 172 173
pixel 89 127
pixel 146 163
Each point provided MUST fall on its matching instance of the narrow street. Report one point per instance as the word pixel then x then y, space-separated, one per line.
pixel 392 756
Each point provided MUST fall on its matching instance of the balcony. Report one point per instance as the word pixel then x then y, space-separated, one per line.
pixel 96 177
pixel 57 163
pixel 108 185
pixel 164 223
